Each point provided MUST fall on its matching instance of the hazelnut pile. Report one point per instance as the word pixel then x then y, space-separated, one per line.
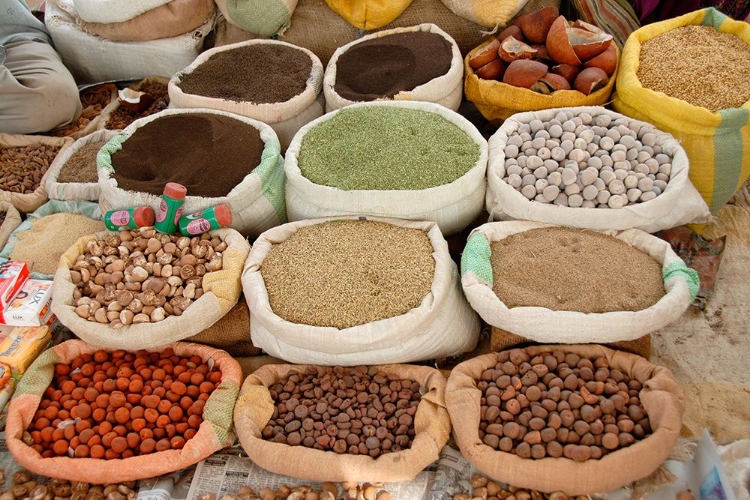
pixel 559 405
pixel 26 487
pixel 142 276
pixel 327 491
pixel 484 489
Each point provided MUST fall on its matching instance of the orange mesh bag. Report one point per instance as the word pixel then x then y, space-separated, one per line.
pixel 215 431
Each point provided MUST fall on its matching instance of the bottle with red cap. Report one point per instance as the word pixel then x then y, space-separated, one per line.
pixel 129 218
pixel 206 220
pixel 170 208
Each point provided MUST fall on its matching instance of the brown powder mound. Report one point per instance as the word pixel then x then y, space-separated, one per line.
pixel 574 270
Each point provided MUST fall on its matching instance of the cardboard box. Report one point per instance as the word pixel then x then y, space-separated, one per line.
pixel 13 274
pixel 20 345
pixel 30 306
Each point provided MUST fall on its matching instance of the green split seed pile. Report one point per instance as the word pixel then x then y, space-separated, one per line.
pixel 386 148
pixel 347 273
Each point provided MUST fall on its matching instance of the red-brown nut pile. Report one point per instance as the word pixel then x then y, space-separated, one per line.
pixel 360 411
pixel 22 167
pixel 142 276
pixel 559 405
pixel 121 404
pixel 27 486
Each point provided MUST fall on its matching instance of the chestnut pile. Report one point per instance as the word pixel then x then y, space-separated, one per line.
pixel 543 52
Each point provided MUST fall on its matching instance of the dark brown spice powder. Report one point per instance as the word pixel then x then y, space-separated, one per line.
pixel 209 154
pixel 383 67
pixel 81 166
pixel 261 73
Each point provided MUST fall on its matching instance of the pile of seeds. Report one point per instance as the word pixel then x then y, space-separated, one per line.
pixel 93 100
pixel 698 64
pixel 142 276
pixel 27 486
pixel 386 148
pixel 566 269
pixel 22 167
pixel 559 404
pixel 360 411
pixel 81 166
pixel 324 491
pixel 270 73
pixel 580 160
pixel 481 487
pixel 347 273
pixel 123 116
pixel 42 245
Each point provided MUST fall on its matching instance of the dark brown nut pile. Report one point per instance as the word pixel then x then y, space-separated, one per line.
pixel 484 489
pixel 142 276
pixel 22 168
pixel 360 411
pixel 326 491
pixel 93 101
pixel 123 116
pixel 559 405
pixel 27 486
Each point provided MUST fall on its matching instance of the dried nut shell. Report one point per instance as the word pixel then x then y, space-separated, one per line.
pixel 484 55
pixel 607 60
pixel 535 25
pixel 590 80
pixel 512 30
pixel 587 44
pixel 559 45
pixel 493 70
pixel 555 82
pixel 512 49
pixel 524 73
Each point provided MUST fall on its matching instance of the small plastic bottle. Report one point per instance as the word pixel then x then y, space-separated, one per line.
pixel 206 220
pixel 170 208
pixel 129 218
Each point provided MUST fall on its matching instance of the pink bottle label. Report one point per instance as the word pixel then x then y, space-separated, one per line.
pixel 120 218
pixel 177 216
pixel 161 214
pixel 198 226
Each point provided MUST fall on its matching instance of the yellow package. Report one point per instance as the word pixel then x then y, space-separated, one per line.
pixel 20 345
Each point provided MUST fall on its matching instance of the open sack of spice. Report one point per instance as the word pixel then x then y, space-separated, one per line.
pixel 24 163
pixel 416 63
pixel 99 415
pixel 557 165
pixel 280 84
pixel 577 419
pixel 142 99
pixel 403 159
pixel 562 285
pixel 220 157
pixel 136 289
pixel 389 425
pixel 355 291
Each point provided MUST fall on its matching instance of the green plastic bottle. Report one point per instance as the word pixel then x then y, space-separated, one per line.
pixel 129 218
pixel 206 220
pixel 170 208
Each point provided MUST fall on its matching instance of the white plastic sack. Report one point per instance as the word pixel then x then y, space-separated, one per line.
pixel 284 117
pixel 92 59
pixel 540 324
pixel 452 206
pixel 74 190
pixel 679 204
pixel 114 11
pixel 443 325
pixel 446 90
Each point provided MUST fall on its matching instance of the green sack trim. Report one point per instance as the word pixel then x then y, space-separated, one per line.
pixel 679 269
pixel 38 376
pixel 219 410
pixel 273 178
pixel 713 18
pixel 476 258
pixel 262 17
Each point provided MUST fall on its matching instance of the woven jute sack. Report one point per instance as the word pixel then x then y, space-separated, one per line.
pixel 285 118
pixel 544 325
pixel 74 190
pixel 488 13
pixel 442 325
pixel 231 332
pixel 717 144
pixel 452 206
pixel 257 202
pixel 661 397
pixel 262 17
pixel 432 426
pixel 221 292
pixel 214 433
pixel 679 204
pixel 10 223
pixel 446 89
pixel 26 203
pixel 171 19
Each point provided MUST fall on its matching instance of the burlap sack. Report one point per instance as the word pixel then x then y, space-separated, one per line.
pixel 500 340
pixel 432 426
pixel 285 118
pixel 221 292
pixel 26 203
pixel 214 433
pixel 662 398
pixel 679 204
pixel 171 19
pixel 488 13
pixel 446 90
pixel 310 15
pixel 262 17
pixel 443 325
pixel 231 332
pixel 257 202
pixel 10 223
pixel 74 190
pixel 452 206
pixel 569 327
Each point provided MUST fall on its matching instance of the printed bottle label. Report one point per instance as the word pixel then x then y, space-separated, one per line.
pixel 177 216
pixel 198 226
pixel 162 213
pixel 120 218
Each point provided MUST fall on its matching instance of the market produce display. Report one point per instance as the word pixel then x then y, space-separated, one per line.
pixel 24 166
pixel 94 100
pixel 147 97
